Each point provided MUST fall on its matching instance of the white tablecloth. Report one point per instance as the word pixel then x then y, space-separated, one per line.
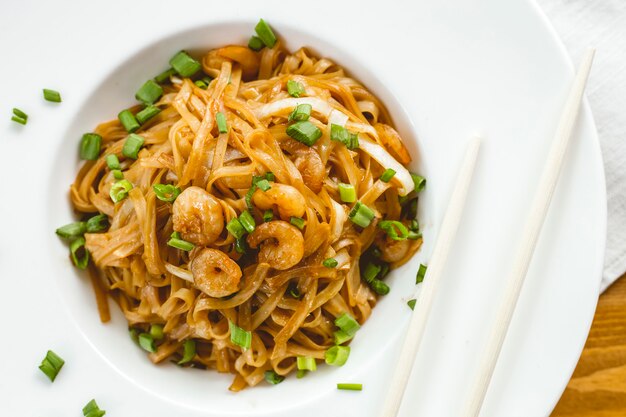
pixel 602 24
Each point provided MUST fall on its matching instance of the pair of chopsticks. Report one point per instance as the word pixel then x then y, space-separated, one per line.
pixel 521 263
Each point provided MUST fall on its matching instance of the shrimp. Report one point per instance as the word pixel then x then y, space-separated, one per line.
pixel 286 198
pixel 394 250
pixel 198 216
pixel 215 273
pixel 393 143
pixel 308 162
pixel 283 244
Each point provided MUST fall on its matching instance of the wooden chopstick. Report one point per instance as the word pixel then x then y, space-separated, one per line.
pixel 433 273
pixel 534 223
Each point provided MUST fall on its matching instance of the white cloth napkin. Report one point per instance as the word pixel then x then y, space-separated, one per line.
pixel 602 24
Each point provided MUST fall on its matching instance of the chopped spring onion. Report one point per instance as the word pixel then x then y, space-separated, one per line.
pixel 165 76
pixel 156 331
pixel 301 373
pixel 263 184
pixel 177 242
pixel 370 272
pixel 294 88
pixel 421 273
pixel 384 270
pixel 133 334
pixel 51 365
pixel 97 223
pixel 239 336
pixel 419 181
pixel 305 132
pixel 52 95
pixel 255 43
pixel 411 303
pixel 347 193
pixel 337 355
pixel 414 235
pixel 387 175
pixel 379 287
pixel 294 291
pixel 247 221
pixel 361 214
pixel 149 92
pixel 395 230
pixel 132 145
pixel 120 189
pixel 330 263
pixel 347 324
pixel 185 65
pixel 235 228
pixel 273 378
pixel 341 337
pixel 72 230
pixel 414 226
pixel 19 116
pixel 240 246
pixel 306 363
pixel 350 387
pixel 128 120
pixel 222 125
pixel 341 134
pixel 201 84
pixel 90 146
pixel 112 161
pixel 298 222
pixel 189 351
pixel 268 215
pixel 92 410
pixel 300 112
pixel 269 175
pixel 258 182
pixel 264 32
pixel 78 253
pixel 117 174
pixel 166 192
pixel 148 113
pixel 146 341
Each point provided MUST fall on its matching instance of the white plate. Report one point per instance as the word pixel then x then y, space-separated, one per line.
pixel 446 71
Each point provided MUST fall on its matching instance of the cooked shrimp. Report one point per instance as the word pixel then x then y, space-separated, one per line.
pixel 282 244
pixel 394 250
pixel 198 216
pixel 393 142
pixel 214 273
pixel 286 198
pixel 308 162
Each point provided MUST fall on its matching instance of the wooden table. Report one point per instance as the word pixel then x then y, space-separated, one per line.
pixel 598 386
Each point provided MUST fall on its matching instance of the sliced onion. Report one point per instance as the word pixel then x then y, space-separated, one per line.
pixel 387 161
pixel 286 105
pixel 179 272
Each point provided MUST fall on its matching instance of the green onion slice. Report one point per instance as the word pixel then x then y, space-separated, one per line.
pixel 18 113
pixel 350 387
pixel 166 192
pixel 178 243
pixel 330 263
pixel 306 363
pixel 268 215
pixel 255 43
pixel 295 89
pixel 419 181
pixel 337 355
pixel 341 134
pixel 51 365
pixel 119 190
pixel 395 229
pixel 273 378
pixel 148 113
pixel 72 230
pixel 411 303
pixel 128 120
pixel 247 221
pixel 92 410
pixel 97 223
pixel 78 253
pixel 235 228
pixel 117 174
pixel 305 132
pixel 90 146
pixel 265 34
pixel 421 272
pixel 240 246
pixel 185 65
pixel 298 222
pixel 342 337
pixel 387 175
pixel 19 120
pixel 347 324
pixel 132 145
pixel 361 214
pixel 52 95
pixel 165 76
pixel 149 92
pixel 300 112
pixel 146 341
pixel 379 287
pixel 222 125
pixel 201 84
pixel 347 193
pixel 113 162
pixel 189 351
pixel 239 336
pixel 370 272
pixel 263 184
